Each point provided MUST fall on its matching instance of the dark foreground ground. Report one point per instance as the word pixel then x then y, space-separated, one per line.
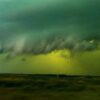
pixel 49 87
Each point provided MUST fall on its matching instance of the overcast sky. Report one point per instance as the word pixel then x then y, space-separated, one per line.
pixel 39 27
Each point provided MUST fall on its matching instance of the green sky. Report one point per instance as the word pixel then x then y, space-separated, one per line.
pixel 50 36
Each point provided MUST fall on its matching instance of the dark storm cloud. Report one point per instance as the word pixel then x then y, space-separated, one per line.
pixel 86 17
pixel 49 44
pixel 64 25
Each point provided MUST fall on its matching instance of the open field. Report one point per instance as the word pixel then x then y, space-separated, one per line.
pixel 49 87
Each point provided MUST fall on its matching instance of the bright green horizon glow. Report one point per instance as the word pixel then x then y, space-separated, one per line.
pixel 56 62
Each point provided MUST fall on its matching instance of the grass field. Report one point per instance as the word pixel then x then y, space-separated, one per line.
pixel 49 87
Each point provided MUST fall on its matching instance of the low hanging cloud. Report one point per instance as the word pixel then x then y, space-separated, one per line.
pixel 25 45
pixel 49 26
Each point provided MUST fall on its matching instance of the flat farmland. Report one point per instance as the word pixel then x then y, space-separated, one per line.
pixel 49 87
